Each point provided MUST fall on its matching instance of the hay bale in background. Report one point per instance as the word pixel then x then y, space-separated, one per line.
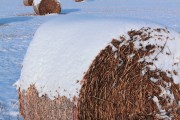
pixel 28 2
pixel 47 7
pixel 33 107
pixel 124 82
pixel 79 0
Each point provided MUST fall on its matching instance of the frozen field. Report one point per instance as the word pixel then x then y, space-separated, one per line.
pixel 18 25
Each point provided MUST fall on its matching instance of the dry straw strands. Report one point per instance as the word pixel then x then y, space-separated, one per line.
pixel 33 107
pixel 116 88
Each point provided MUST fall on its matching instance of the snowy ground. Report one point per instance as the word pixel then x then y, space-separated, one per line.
pixel 18 25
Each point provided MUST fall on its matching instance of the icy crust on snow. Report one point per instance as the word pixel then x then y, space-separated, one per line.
pixel 62 51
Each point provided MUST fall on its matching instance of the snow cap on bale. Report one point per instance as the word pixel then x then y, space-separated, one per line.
pixel 28 2
pixel 42 7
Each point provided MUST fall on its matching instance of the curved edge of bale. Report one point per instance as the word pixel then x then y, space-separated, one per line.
pixel 33 107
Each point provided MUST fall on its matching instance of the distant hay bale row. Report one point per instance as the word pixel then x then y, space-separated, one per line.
pixel 44 6
pixel 119 85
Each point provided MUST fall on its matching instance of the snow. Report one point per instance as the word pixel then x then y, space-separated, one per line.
pixel 18 25
pixel 36 2
pixel 153 79
pixel 17 28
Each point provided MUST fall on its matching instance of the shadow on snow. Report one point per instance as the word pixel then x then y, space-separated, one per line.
pixel 67 11
pixel 4 21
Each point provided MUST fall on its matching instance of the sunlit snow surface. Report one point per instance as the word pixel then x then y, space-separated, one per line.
pixel 18 25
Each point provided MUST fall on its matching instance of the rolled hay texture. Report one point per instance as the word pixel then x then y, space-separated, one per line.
pixel 28 2
pixel 33 107
pixel 47 7
pixel 121 84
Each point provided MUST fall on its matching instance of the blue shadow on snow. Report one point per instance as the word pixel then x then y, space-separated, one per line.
pixel 67 11
pixel 13 19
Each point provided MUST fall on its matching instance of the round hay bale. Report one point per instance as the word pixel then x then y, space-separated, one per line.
pixel 33 107
pixel 79 0
pixel 47 7
pixel 124 81
pixel 28 2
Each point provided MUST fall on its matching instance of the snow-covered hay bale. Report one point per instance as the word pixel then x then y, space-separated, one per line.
pixel 133 78
pixel 42 7
pixel 28 2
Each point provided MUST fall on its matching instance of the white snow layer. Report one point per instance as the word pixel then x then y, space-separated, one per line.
pixel 63 49
pixel 36 2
